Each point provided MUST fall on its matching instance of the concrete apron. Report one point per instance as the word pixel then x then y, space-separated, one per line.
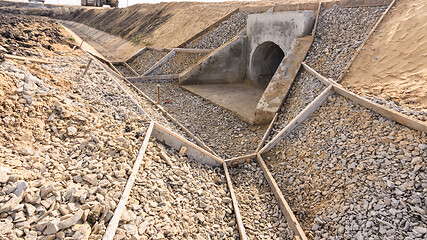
pixel 268 57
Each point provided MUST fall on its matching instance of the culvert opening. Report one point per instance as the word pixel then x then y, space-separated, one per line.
pixel 265 61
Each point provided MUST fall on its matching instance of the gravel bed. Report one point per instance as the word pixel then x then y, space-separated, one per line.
pixel 261 214
pixel 420 115
pixel 149 108
pixel 65 177
pixel 220 129
pixel 339 33
pixel 303 91
pixel 178 63
pixel 349 173
pixel 146 60
pixel 223 33
pixel 124 71
pixel 175 197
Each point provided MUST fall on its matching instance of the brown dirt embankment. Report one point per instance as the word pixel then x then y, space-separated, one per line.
pixel 160 25
pixel 393 63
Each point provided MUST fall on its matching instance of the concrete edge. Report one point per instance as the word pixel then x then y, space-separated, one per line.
pixel 239 116
pixel 177 142
pixel 211 54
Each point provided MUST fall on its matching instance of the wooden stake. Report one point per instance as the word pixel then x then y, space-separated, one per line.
pixel 87 67
pixel 27 59
pixel 158 94
pixel 81 44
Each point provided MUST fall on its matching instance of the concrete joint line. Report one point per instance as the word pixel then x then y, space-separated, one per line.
pixel 284 206
pixel 239 221
pixel 380 109
pixel 241 159
pixel 160 62
pixel 270 127
pixel 136 54
pixel 130 68
pixel 301 117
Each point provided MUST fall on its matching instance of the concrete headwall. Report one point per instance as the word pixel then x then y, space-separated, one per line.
pixel 224 65
pixel 280 28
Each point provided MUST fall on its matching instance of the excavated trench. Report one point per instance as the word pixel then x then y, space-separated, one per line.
pixel 306 165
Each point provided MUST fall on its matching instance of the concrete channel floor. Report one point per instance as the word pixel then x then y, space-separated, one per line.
pixel 239 98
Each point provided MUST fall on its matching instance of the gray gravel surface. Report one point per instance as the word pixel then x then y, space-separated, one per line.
pixel 420 115
pixel 124 71
pixel 175 197
pixel 303 91
pixel 261 214
pixel 220 129
pixel 349 173
pixel 339 33
pixel 178 63
pixel 147 59
pixel 223 33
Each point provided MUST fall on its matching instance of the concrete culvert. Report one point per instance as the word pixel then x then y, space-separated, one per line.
pixel 265 61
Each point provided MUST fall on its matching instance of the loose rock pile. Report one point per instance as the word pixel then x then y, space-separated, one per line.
pixel 220 129
pixel 175 197
pixel 339 33
pixel 261 215
pixel 20 35
pixel 65 161
pixel 178 63
pixel 221 34
pixel 145 60
pixel 350 173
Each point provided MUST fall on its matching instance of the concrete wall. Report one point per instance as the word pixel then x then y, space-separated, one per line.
pixel 281 28
pixel 224 65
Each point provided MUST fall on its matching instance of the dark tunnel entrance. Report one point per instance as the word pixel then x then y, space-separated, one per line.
pixel 265 61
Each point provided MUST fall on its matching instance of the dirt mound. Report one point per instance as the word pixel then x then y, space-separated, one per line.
pixel 393 63
pixel 20 34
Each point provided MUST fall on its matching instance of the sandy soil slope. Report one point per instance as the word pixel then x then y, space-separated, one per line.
pixel 393 64
pixel 163 24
